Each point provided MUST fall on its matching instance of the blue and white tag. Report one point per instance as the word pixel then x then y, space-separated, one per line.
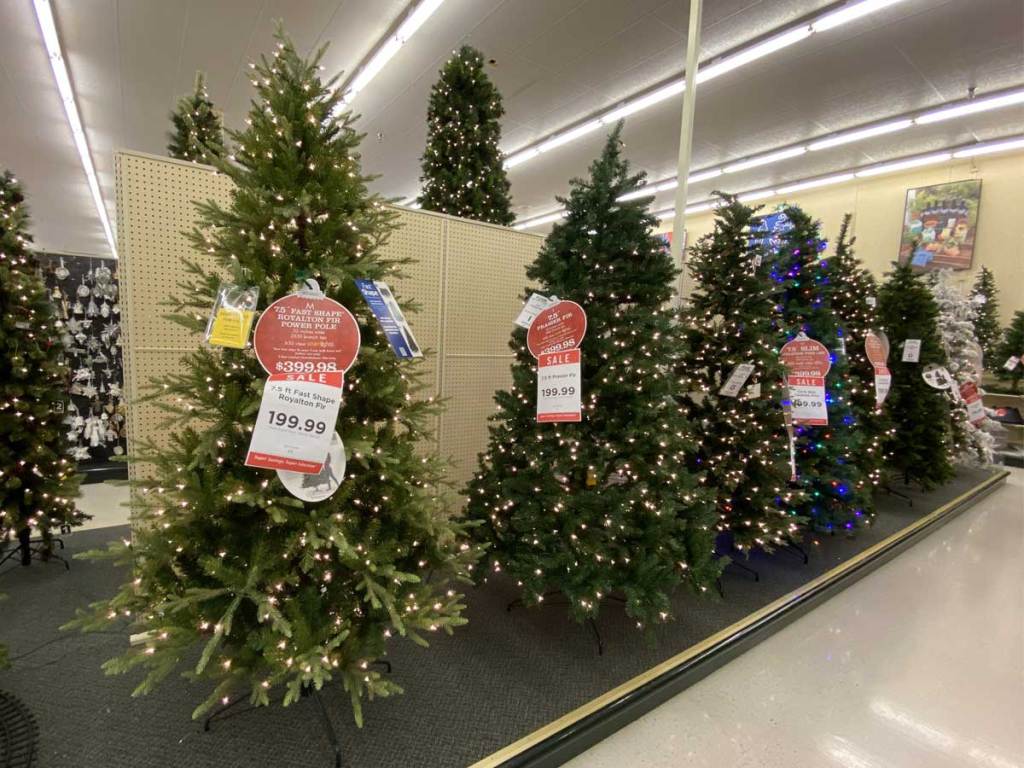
pixel 389 316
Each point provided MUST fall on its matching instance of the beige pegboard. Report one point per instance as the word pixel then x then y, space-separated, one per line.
pixel 467 279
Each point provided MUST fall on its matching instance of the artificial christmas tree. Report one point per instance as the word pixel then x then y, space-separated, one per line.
pixel 971 440
pixel 730 332
pixel 198 135
pixel 919 447
pixel 271 589
pixel 986 317
pixel 38 482
pixel 605 505
pixel 854 300
pixel 1009 364
pixel 463 169
pixel 837 490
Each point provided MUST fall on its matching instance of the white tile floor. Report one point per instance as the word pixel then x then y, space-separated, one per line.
pixel 920 664
pixel 105 502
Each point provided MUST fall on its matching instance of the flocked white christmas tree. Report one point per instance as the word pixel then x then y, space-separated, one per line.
pixel 972 443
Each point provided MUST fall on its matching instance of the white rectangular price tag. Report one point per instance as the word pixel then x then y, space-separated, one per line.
pixel 737 378
pixel 1011 362
pixel 975 411
pixel 754 391
pixel 807 396
pixel 296 421
pixel 911 350
pixel 883 383
pixel 534 305
pixel 559 380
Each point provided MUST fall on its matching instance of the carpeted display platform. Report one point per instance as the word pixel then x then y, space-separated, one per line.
pixel 495 681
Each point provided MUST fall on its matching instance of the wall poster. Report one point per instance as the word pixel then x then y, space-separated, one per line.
pixel 939 225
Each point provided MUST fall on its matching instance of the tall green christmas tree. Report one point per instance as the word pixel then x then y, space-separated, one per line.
pixel 38 482
pixel 1012 345
pixel 920 445
pixel 463 169
pixel 854 300
pixel 986 317
pixel 235 580
pixel 837 490
pixel 605 505
pixel 198 135
pixel 729 323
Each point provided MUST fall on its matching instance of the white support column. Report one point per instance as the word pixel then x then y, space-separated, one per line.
pixel 686 142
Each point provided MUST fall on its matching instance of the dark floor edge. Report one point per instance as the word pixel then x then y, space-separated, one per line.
pixel 552 746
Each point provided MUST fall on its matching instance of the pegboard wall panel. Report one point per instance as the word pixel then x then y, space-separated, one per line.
pixel 466 278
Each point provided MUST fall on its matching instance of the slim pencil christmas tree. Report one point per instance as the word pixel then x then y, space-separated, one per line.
pixel 235 581
pixel 198 135
pixel 604 506
pixel 837 490
pixel 1012 348
pixel 463 169
pixel 986 317
pixel 731 333
pixel 38 482
pixel 919 447
pixel 854 299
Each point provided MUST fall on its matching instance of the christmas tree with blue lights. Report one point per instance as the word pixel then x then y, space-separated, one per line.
pixel 828 457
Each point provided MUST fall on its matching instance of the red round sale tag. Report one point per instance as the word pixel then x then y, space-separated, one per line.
pixel 805 357
pixel 876 347
pixel 559 327
pixel 303 333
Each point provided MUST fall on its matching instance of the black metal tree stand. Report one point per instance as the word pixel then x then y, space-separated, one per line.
pixel 519 603
pixel 28 548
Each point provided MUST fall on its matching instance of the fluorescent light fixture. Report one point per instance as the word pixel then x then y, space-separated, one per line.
pixel 520 157
pixel 899 165
pixel 771 157
pixel 571 135
pixel 861 133
pixel 636 194
pixel 823 182
pixel 701 207
pixel 667 213
pixel 752 53
pixel 386 50
pixel 761 194
pixel 970 107
pixel 849 12
pixel 643 102
pixel 699 176
pixel 48 28
pixel 990 148
pixel 540 221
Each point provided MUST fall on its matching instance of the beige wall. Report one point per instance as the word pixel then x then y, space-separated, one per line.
pixel 877 208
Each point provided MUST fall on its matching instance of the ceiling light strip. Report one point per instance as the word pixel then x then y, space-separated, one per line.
pixel 48 28
pixel 915 161
pixel 388 47
pixel 715 68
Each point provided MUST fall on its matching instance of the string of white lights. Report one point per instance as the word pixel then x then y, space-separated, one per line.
pixel 1014 143
pixel 48 28
pixel 715 68
pixel 947 111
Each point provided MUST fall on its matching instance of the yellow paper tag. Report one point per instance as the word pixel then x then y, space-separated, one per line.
pixel 231 328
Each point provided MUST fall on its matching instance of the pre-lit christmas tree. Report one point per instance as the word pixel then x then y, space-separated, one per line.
pixel 605 505
pixel 1012 345
pixel 986 317
pixel 463 169
pixel 919 447
pixel 969 442
pixel 38 482
pixel 235 580
pixel 744 446
pixel 854 300
pixel 828 457
pixel 198 135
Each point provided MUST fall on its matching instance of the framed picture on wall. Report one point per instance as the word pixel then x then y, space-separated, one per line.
pixel 939 225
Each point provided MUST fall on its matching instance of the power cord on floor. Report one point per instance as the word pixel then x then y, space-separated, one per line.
pixel 59 639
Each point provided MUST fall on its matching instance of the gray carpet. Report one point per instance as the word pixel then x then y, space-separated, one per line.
pixel 496 680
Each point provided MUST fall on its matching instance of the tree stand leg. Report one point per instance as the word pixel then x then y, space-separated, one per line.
pixel 797 550
pixel 597 636
pixel 325 720
pixel 25 540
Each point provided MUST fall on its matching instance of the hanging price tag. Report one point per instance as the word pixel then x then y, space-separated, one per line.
pixel 557 328
pixel 296 421
pixel 559 390
pixel 306 332
pixel 534 305
pixel 1011 362
pixel 972 399
pixel 876 347
pixel 937 377
pixel 807 363
pixel 390 318
pixel 911 351
pixel 736 380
